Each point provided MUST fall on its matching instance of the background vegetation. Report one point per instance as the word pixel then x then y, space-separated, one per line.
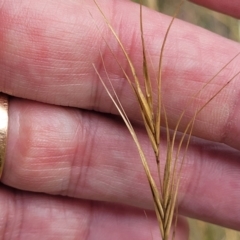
pixel 227 27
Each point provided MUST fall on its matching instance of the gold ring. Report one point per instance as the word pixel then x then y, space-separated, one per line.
pixel 3 129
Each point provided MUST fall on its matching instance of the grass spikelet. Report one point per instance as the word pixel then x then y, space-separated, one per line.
pixel 154 115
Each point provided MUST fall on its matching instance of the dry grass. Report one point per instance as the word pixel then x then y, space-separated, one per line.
pixel 227 27
pixel 164 189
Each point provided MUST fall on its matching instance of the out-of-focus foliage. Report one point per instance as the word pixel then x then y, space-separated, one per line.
pixel 227 27
pixel 204 231
pixel 213 21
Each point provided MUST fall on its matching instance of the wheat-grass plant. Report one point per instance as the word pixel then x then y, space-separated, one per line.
pixel 155 118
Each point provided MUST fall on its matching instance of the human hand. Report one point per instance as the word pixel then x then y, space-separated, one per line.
pixel 66 155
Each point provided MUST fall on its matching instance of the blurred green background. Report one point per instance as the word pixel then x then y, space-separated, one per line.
pixel 227 27
pixel 213 21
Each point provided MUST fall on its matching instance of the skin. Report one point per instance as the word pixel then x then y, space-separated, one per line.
pixel 67 155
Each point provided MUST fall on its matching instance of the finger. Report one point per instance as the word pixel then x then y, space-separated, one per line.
pixel 32 216
pixel 86 155
pixel 228 7
pixel 47 55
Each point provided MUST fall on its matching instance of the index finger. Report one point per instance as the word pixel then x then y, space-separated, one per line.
pixel 47 54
